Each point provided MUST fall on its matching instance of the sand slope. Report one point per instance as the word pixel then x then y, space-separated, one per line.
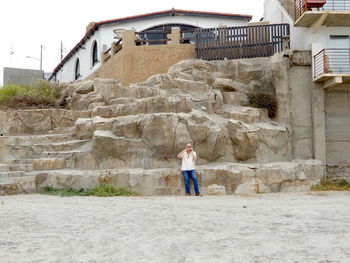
pixel 300 227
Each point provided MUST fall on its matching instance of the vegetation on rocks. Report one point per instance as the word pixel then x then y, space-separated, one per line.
pixel 40 95
pixel 103 190
pixel 263 100
pixel 327 184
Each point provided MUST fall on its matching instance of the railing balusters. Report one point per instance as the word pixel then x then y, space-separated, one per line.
pixel 240 42
pixel 300 6
pixel 332 61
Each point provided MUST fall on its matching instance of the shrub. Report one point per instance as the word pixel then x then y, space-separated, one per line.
pixel 27 101
pixel 327 184
pixel 64 192
pixel 103 190
pixel 109 190
pixel 262 100
pixel 40 95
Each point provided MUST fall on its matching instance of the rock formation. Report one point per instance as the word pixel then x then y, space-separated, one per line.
pixel 130 135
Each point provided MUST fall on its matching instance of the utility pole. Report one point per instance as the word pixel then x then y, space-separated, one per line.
pixel 61 50
pixel 11 55
pixel 41 57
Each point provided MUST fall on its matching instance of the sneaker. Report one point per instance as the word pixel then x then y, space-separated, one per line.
pixel 199 194
pixel 188 194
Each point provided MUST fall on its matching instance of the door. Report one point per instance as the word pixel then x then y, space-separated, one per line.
pixel 339 54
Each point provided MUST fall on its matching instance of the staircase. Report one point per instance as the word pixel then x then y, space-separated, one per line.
pixel 27 155
pixel 131 138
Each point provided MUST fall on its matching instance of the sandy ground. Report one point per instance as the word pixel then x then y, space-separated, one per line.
pixel 299 227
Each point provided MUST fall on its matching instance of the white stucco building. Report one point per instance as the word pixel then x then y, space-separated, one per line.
pixel 84 58
pixel 322 26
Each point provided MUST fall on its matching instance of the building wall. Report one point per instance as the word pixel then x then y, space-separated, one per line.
pixel 137 63
pixel 20 76
pixel 105 36
pixel 321 40
pixel 301 85
pixel 337 105
pixel 274 13
pixel 302 38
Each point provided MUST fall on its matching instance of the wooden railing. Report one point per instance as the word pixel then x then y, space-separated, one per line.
pixel 332 61
pixel 160 37
pixel 240 42
pixel 301 6
pixel 114 49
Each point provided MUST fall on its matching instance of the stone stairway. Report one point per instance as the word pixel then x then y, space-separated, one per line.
pixel 23 156
pixel 130 136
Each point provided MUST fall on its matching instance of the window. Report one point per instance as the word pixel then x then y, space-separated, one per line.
pixel 94 54
pixel 156 38
pixel 338 55
pixel 77 70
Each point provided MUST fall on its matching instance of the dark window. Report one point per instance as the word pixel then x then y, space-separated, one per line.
pixel 77 70
pixel 94 54
pixel 157 39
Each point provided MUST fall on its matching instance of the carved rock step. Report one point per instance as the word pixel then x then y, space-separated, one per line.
pixel 235 98
pixel 5 175
pixel 144 106
pixel 40 164
pixel 15 167
pixel 65 155
pixel 62 130
pixel 59 146
pixel 38 121
pixel 36 139
pixel 244 114
pixel 18 185
pixel 214 178
pixel 35 151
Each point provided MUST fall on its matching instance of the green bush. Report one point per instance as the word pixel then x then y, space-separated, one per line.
pixel 41 95
pixel 109 190
pixel 64 192
pixel 103 190
pixel 262 100
pixel 328 184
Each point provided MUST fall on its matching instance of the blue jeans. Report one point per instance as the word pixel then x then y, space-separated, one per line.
pixel 190 174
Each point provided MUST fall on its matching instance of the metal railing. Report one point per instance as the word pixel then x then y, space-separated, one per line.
pixel 160 37
pixel 240 42
pixel 332 61
pixel 301 6
pixel 108 53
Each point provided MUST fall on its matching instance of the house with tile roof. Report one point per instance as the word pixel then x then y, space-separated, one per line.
pixel 85 58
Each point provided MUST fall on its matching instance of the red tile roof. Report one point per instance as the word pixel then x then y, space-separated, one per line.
pixel 172 12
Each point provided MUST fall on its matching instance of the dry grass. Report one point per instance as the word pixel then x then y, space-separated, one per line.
pixel 331 185
pixel 40 95
pixel 262 100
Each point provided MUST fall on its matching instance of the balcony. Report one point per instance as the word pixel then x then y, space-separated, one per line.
pixel 332 67
pixel 316 13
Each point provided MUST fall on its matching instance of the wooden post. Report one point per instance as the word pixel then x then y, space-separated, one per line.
pixel 129 38
pixel 175 36
pixel 285 43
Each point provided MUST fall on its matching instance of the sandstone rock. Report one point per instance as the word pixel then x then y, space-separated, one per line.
pixel 215 189
pixel 234 98
pixel 84 87
pixel 83 128
pixel 107 88
pixel 82 102
pixel 228 85
pixel 199 90
pixel 244 138
pixel 95 104
pixel 37 121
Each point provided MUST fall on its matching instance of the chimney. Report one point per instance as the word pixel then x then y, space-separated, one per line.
pixel 90 26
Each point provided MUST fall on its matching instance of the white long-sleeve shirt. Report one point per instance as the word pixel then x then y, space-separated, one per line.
pixel 187 161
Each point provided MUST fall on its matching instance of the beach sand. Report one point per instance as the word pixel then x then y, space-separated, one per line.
pixel 288 227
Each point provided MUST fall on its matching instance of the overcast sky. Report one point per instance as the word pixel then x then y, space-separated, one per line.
pixel 27 24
